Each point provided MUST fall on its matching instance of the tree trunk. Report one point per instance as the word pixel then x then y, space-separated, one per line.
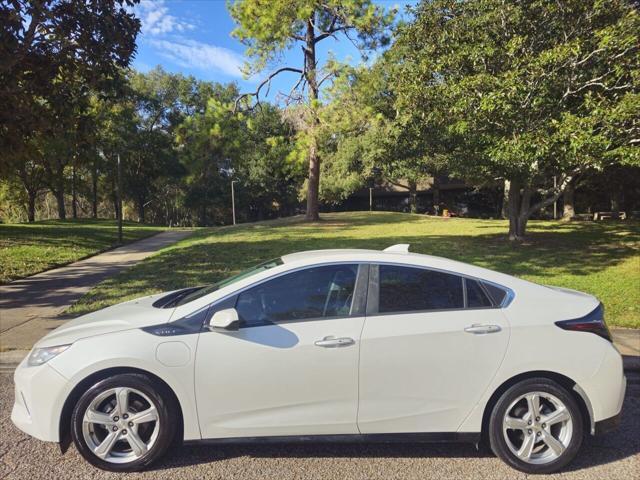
pixel 114 198
pixel 413 197
pixel 436 194
pixel 56 182
pixel 31 182
pixel 62 211
pixel 141 211
pixel 516 230
pixel 520 208
pixel 505 200
pixel 31 206
pixel 616 197
pixel 523 216
pixel 568 211
pixel 74 194
pixel 313 181
pixel 203 216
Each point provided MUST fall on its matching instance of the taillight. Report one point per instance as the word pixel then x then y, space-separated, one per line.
pixel 592 322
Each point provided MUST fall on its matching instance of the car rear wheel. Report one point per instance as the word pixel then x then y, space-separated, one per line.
pixel 536 426
pixel 123 423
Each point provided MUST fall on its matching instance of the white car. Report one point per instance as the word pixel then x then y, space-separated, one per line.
pixel 331 345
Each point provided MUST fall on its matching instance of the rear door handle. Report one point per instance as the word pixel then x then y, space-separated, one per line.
pixel 332 342
pixel 482 329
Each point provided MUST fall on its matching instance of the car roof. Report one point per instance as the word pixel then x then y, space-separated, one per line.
pixel 330 252
pixel 399 251
pixel 399 254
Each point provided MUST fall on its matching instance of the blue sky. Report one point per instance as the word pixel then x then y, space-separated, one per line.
pixel 193 37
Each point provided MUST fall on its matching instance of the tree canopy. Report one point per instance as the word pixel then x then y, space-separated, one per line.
pixel 523 91
pixel 45 43
pixel 527 98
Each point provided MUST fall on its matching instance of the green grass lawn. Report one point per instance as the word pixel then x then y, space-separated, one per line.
pixel 29 248
pixel 599 258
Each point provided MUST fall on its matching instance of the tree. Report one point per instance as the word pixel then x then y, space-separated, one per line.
pixel 36 39
pixel 265 168
pixel 26 174
pixel 158 99
pixel 524 90
pixel 207 143
pixel 44 45
pixel 65 138
pixel 271 27
pixel 350 140
pixel 116 127
pixel 365 137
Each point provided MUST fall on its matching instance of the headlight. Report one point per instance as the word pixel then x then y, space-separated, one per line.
pixel 40 356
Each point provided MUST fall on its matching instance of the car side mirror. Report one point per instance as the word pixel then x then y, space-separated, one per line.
pixel 226 319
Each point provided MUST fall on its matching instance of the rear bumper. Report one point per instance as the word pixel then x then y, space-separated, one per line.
pixel 606 389
pixel 613 422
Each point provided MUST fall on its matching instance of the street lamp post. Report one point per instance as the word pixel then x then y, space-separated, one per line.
pixel 233 201
pixel 555 202
pixel 119 201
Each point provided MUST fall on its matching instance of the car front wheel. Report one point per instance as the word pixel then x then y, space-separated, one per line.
pixel 536 426
pixel 123 423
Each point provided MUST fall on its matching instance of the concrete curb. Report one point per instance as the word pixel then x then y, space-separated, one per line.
pixel 631 363
pixel 12 357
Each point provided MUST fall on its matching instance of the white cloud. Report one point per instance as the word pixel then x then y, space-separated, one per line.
pixel 167 34
pixel 156 19
pixel 198 55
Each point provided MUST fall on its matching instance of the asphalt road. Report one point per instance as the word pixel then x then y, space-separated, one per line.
pixel 613 456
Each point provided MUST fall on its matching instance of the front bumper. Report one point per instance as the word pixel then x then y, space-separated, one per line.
pixel 608 425
pixel 39 396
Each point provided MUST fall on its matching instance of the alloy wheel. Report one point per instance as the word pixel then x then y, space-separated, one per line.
pixel 120 425
pixel 537 427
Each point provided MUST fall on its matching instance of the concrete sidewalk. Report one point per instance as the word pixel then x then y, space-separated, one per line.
pixel 628 342
pixel 29 308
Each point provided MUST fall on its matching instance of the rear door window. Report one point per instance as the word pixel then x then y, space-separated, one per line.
pixel 407 289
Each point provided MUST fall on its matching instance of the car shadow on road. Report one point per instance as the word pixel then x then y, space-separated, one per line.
pixel 599 451
pixel 198 454
pixel 615 446
pixel 592 454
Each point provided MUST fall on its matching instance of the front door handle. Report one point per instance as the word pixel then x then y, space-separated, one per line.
pixel 482 329
pixel 333 342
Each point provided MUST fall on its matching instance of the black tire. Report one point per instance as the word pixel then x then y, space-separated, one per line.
pixel 497 439
pixel 166 421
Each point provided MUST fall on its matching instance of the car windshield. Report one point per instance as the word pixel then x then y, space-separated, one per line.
pixel 201 292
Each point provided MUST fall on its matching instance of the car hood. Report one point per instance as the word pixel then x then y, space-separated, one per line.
pixel 123 316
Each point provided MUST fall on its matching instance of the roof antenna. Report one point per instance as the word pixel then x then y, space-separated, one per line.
pixel 398 248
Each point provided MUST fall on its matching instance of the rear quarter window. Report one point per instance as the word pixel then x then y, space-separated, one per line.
pixel 497 294
pixel 477 296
